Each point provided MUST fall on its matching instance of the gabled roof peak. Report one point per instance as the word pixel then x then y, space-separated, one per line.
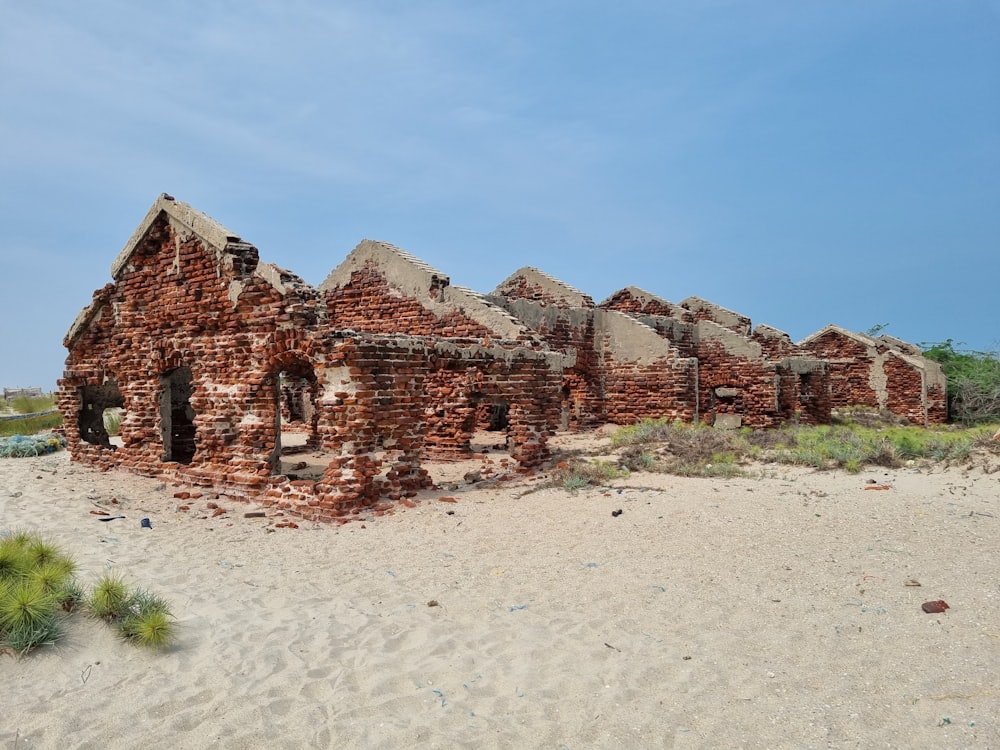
pixel 562 293
pixel 183 214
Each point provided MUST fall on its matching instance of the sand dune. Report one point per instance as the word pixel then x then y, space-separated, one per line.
pixel 716 613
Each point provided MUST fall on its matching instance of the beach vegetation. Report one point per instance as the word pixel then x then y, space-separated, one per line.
pixel 30 425
pixel 38 590
pixel 109 597
pixel 33 404
pixel 112 417
pixel 853 442
pixel 973 381
pixel 147 620
pixel 33 414
pixel 575 475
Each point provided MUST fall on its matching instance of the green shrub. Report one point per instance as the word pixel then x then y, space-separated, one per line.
pixel 147 620
pixel 109 598
pixel 973 382
pixel 37 588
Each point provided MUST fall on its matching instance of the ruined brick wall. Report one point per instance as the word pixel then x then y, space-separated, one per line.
pixel 369 304
pixel 803 392
pixel 700 310
pixel 903 383
pixel 850 369
pixel 775 344
pixel 523 288
pixel 661 390
pixel 171 308
pixel 569 330
pixel 937 405
pixel 391 402
pixel 736 386
pixel 878 376
pixel 627 302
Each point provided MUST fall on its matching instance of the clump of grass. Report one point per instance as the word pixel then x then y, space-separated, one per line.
pixel 109 598
pixel 32 404
pixel 33 576
pixel 38 590
pixel 140 616
pixel 683 449
pixel 578 474
pixel 35 420
pixel 147 621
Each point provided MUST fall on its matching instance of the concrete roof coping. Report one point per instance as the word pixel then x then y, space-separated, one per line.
pixel 904 346
pixel 283 280
pixel 734 343
pixel 572 296
pixel 896 347
pixel 196 222
pixel 631 340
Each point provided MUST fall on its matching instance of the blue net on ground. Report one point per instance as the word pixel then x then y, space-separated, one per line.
pixel 19 446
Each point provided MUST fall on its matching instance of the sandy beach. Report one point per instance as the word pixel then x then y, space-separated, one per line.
pixel 773 612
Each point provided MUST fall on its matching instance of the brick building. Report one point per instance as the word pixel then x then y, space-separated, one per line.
pixel 884 373
pixel 214 355
pixel 203 344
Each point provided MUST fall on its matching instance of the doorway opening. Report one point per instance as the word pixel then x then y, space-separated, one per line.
pixel 177 428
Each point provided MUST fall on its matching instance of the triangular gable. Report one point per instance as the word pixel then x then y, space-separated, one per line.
pixel 541 287
pixel 646 303
pixel 185 217
pixel 430 287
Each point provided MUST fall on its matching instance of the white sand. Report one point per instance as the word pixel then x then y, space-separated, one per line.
pixel 721 613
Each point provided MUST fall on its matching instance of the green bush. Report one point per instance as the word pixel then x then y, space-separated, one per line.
pixel 37 589
pixel 973 382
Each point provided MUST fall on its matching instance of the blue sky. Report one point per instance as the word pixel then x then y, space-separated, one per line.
pixel 800 162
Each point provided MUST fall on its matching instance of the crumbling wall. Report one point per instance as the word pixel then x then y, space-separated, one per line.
pixel 703 310
pixel 572 332
pixel 368 303
pixel 803 390
pixel 664 389
pixel 882 375
pixel 850 368
pixel 637 303
pixel 735 391
pixel 172 312
pixel 902 382
pixel 389 402
pixel 532 285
